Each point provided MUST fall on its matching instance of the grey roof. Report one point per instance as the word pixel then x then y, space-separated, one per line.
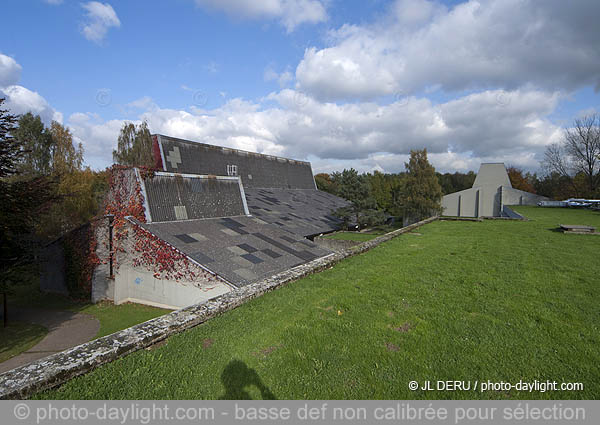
pixel 240 249
pixel 255 170
pixel 182 197
pixel 304 212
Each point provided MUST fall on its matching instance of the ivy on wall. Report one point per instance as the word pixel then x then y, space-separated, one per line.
pixel 124 200
pixel 79 247
pixel 145 250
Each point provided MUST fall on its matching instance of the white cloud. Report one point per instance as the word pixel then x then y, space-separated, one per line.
pixel 54 2
pixel 10 71
pixel 144 103
pixel 97 137
pixel 283 78
pixel 100 17
pixel 290 13
pixel 20 100
pixel 479 44
pixel 489 126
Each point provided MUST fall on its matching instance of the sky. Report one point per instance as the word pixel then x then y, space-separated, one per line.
pixel 336 82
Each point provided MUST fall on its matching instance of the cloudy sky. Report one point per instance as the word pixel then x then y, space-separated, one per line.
pixel 340 83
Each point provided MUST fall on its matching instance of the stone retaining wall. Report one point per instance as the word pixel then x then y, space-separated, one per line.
pixel 54 370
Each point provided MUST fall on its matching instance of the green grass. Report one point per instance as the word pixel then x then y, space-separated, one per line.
pixel 494 300
pixel 112 317
pixel 362 236
pixel 18 337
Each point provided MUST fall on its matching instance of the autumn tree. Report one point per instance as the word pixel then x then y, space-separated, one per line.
pixel 422 193
pixel 520 181
pixel 324 183
pixel 134 146
pixel 67 157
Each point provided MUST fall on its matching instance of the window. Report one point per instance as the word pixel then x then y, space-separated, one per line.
pixel 232 170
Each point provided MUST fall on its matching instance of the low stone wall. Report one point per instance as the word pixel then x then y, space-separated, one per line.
pixel 54 370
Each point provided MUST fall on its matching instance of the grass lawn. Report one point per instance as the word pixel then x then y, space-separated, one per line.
pixel 494 300
pixel 362 236
pixel 112 317
pixel 18 337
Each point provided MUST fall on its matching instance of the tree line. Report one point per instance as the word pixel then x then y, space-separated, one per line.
pixel 570 169
pixel 411 195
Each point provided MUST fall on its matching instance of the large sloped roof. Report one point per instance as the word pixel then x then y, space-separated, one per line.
pixel 242 250
pixel 255 170
pixel 304 212
pixel 182 197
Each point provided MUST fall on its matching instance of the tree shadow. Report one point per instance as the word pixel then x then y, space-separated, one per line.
pixel 18 337
pixel 236 377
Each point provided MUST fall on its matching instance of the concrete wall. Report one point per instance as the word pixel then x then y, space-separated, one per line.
pixel 135 284
pixel 103 287
pixel 490 201
pixel 52 277
pixel 465 203
pixel 138 284
pixel 512 196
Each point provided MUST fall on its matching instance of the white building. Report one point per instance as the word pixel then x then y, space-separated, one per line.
pixel 490 194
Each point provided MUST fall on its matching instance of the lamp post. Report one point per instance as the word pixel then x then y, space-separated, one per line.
pixel 111 219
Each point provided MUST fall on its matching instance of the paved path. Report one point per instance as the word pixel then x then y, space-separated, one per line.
pixel 66 329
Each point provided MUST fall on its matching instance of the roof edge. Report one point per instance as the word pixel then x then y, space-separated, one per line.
pixel 163 137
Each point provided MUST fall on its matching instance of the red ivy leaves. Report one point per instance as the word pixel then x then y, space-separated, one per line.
pixel 156 255
pixel 80 259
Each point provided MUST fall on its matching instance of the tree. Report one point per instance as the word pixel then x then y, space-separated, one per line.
pixel 81 196
pixel 455 182
pixel 66 157
pixel 10 148
pixel 134 146
pixel 324 183
pixel 356 189
pixel 519 181
pixel 37 145
pixel 422 193
pixel 577 153
pixel 22 201
pixel 381 188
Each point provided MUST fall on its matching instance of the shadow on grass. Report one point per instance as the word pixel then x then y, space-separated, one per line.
pixel 28 294
pixel 236 377
pixel 18 337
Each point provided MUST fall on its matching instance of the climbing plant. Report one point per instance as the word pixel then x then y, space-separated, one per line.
pixel 125 201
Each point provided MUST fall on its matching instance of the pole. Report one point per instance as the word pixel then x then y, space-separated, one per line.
pixel 4 309
pixel 110 244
